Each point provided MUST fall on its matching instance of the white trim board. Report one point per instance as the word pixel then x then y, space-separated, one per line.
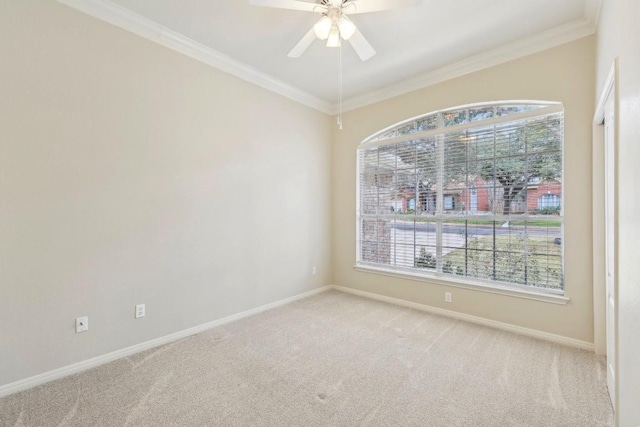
pixel 527 46
pixel 474 285
pixel 608 88
pixel 119 16
pixel 558 339
pixel 592 9
pixel 551 38
pixel 74 368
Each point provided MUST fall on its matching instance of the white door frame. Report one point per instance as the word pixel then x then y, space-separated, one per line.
pixel 604 271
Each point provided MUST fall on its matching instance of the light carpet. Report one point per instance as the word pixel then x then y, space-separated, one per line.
pixel 332 359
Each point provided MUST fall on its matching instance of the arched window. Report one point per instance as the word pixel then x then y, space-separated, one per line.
pixel 471 176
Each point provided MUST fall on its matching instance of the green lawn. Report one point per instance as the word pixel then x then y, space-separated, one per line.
pixel 530 223
pixel 543 264
pixel 537 223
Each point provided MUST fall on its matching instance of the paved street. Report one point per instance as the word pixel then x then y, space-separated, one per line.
pixel 407 243
pixel 476 230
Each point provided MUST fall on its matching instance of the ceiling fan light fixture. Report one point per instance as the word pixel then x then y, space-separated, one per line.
pixel 347 28
pixel 334 37
pixel 322 28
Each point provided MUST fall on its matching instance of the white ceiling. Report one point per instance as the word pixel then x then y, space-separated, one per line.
pixel 415 46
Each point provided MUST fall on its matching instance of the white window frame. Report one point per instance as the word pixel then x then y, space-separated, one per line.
pixel 521 291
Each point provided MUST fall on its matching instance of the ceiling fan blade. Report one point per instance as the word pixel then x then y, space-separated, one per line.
pixel 361 46
pixel 302 45
pixel 290 4
pixel 366 6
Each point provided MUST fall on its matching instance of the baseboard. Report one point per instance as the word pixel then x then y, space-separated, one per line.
pixel 559 339
pixel 55 374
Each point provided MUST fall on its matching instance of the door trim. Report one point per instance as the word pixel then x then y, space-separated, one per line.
pixel 608 92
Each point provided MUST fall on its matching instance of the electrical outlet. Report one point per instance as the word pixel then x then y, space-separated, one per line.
pixel 82 324
pixel 314 271
pixel 447 297
pixel 140 311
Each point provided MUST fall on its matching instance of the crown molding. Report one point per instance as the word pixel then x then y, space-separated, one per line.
pixel 119 16
pixel 592 9
pixel 542 41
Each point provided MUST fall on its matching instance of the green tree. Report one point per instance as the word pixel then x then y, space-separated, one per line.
pixel 425 260
pixel 509 156
pixel 521 155
pixel 418 165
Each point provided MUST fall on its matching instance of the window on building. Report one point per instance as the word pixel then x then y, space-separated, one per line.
pixel 549 201
pixel 473 174
pixel 448 202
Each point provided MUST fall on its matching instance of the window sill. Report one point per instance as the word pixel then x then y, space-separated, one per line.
pixel 542 296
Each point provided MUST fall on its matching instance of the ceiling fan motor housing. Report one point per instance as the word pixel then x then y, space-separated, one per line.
pixel 334 24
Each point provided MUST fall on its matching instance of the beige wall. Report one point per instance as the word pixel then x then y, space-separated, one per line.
pixel 563 74
pixel 619 37
pixel 130 174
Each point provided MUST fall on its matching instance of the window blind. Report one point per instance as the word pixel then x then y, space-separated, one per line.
pixel 472 192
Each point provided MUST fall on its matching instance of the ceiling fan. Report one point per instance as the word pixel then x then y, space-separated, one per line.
pixel 334 24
